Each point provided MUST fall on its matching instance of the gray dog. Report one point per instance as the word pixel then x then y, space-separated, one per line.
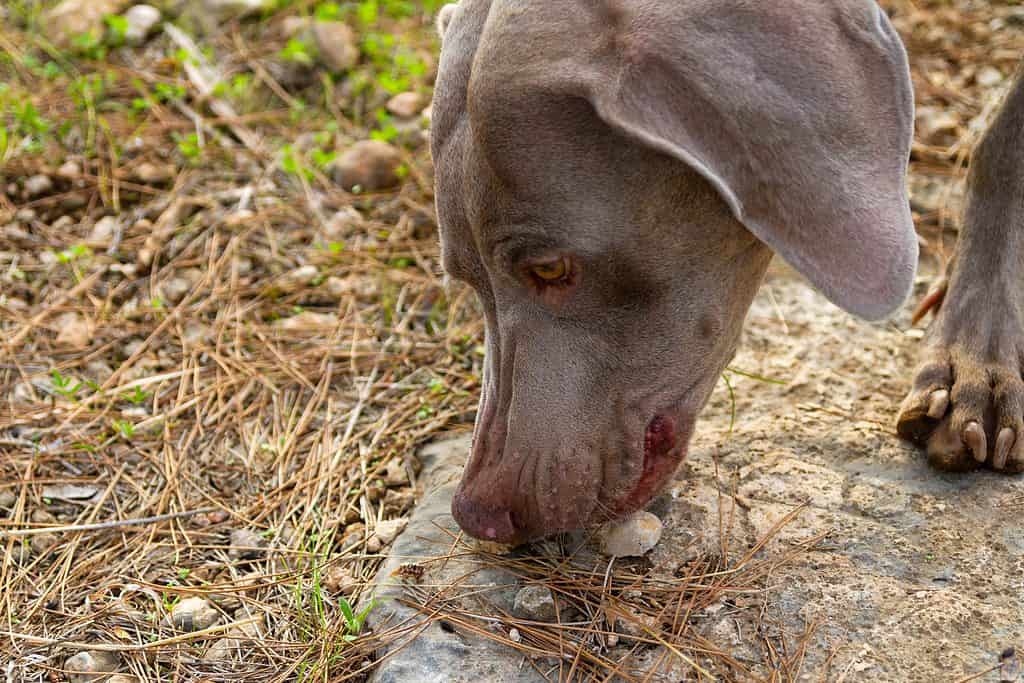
pixel 613 177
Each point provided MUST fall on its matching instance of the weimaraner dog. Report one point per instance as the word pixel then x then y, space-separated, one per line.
pixel 613 177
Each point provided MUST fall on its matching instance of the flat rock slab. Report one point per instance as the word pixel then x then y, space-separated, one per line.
pixel 902 573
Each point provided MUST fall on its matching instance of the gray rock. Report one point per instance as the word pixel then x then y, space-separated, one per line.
pixel 194 614
pixel 38 184
pixel 246 545
pixel 368 166
pixel 535 603
pixel 91 666
pixel 8 498
pixel 633 536
pixel 429 653
pixel 141 21
pixel 336 45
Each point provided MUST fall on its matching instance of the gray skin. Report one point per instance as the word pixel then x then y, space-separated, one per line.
pixel 662 152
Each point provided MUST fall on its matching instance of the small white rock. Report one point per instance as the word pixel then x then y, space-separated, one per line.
pixel 387 531
pixel 141 20
pixel 194 614
pixel 74 331
pixel 89 666
pixel 633 536
pixel 989 76
pixel 535 603
pixel 69 170
pixel 103 232
pixel 395 474
pixel 300 277
pixel 38 184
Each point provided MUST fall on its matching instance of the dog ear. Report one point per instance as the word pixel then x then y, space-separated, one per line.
pixel 444 17
pixel 799 112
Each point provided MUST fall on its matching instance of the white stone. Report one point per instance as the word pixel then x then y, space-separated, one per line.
pixel 633 536
pixel 141 20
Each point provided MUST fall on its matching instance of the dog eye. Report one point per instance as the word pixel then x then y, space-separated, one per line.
pixel 552 272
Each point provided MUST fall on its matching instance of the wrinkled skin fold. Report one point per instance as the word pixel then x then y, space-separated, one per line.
pixel 652 156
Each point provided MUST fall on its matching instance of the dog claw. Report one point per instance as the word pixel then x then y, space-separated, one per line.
pixel 938 404
pixel 974 437
pixel 1004 442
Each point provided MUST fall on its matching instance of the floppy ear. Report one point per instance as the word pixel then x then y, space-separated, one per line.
pixel 799 112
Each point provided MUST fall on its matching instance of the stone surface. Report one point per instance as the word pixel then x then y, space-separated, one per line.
pixel 91 665
pixel 535 603
pixel 633 536
pixel 194 614
pixel 367 166
pixel 142 19
pixel 437 655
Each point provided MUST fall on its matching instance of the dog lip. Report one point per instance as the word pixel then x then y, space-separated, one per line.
pixel 665 447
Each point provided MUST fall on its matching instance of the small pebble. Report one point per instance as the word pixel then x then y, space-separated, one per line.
pixel 367 166
pixel 25 215
pixel 339 580
pixel 103 232
pixel 194 614
pixel 405 104
pixel 535 603
pixel 87 666
pixel 153 174
pixel 141 21
pixel 63 223
pixel 7 498
pixel 395 474
pixel 387 531
pixel 633 536
pixel 69 170
pixel 37 185
pixel 246 545
pixel 337 45
pixel 373 545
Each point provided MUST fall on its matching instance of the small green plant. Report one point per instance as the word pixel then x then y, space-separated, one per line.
pixel 117 29
pixel 137 397
pixel 189 146
pixel 66 386
pixel 183 573
pixel 354 620
pixel 298 51
pixel 124 428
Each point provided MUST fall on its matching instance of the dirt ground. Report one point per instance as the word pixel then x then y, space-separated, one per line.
pixel 224 336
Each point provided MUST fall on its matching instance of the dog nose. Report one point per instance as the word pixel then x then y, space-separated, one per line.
pixel 484 521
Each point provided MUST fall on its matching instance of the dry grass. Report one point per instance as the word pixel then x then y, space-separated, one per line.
pixel 258 350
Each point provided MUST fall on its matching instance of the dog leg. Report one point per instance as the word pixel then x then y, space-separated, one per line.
pixel 966 406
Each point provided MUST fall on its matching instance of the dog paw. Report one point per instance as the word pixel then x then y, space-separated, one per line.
pixel 966 407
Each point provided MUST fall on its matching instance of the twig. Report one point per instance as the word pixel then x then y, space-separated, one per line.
pixel 104 525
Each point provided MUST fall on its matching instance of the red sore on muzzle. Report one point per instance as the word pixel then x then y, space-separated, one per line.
pixel 663 451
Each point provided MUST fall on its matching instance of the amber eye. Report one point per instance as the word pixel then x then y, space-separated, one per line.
pixel 552 271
